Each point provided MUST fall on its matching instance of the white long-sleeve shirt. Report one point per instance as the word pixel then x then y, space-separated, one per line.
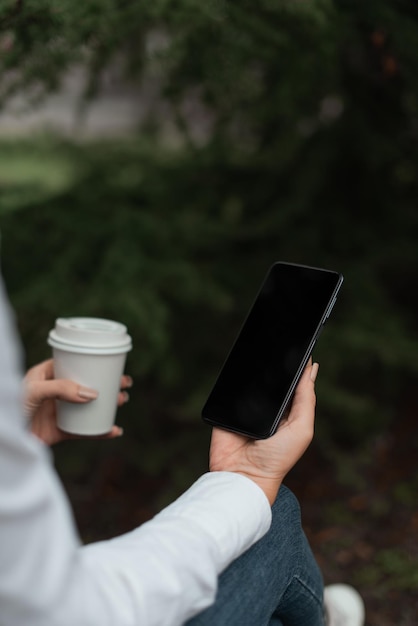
pixel 160 574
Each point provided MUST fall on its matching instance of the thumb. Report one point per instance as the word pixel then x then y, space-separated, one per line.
pixel 58 389
pixel 304 400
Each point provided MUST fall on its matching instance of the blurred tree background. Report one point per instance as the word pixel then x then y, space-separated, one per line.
pixel 283 130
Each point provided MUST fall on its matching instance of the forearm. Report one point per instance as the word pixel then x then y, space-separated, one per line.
pixel 161 573
pixel 166 571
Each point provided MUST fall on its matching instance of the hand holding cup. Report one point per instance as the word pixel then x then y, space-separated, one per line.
pixel 41 392
pixel 91 352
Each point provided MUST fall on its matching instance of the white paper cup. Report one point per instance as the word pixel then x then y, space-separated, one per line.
pixel 92 352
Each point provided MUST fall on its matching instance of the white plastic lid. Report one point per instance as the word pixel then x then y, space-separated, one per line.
pixel 90 335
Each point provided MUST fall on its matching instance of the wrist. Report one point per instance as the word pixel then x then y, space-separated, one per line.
pixel 270 487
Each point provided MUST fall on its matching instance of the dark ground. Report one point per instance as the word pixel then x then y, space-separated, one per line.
pixel 363 523
pixel 359 506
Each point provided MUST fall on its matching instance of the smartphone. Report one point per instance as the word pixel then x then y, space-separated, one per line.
pixel 267 359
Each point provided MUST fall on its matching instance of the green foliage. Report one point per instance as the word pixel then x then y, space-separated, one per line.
pixel 392 569
pixel 309 155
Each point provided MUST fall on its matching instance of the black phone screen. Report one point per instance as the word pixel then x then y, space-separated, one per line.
pixel 266 361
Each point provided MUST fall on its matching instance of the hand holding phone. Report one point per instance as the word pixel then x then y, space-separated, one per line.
pixel 267 461
pixel 260 374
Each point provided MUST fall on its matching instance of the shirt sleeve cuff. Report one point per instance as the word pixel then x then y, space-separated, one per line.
pixel 228 507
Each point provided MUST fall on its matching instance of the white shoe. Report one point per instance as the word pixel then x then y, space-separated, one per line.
pixel 343 606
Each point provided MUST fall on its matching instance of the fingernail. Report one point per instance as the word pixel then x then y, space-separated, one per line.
pixel 314 371
pixel 125 396
pixel 129 381
pixel 119 432
pixel 87 394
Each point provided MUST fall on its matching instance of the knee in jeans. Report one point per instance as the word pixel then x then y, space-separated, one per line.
pixel 287 504
pixel 293 551
pixel 286 520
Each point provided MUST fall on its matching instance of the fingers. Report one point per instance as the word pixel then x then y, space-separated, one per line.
pixel 66 390
pixel 304 401
pixel 126 382
pixel 306 385
pixel 60 389
pixel 116 431
pixel 41 371
pixel 40 388
pixel 314 372
pixel 123 398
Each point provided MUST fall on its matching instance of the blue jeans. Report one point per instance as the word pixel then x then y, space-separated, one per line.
pixel 277 582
